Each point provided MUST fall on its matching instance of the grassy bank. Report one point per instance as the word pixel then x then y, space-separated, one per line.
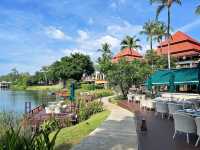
pixel 73 135
pixel 45 88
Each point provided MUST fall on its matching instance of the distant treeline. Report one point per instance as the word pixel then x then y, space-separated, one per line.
pixel 68 67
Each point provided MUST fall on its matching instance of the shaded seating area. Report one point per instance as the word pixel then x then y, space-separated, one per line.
pixel 160 132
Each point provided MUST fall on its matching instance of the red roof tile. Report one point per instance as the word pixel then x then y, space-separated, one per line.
pixel 127 53
pixel 180 45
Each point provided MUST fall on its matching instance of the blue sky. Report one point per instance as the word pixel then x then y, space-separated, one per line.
pixel 34 33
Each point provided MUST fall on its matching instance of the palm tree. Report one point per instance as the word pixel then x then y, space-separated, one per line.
pixel 105 60
pixel 105 50
pixel 162 4
pixel 198 10
pixel 149 31
pixel 160 31
pixel 130 42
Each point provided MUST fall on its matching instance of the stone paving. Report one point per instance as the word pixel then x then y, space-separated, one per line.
pixel 117 132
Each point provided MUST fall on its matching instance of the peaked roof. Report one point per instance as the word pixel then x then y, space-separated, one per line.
pixel 128 53
pixel 180 44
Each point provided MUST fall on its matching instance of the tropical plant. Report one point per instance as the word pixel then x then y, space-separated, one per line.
pixel 86 109
pixel 162 4
pixel 160 31
pixel 13 138
pixel 105 60
pixel 149 30
pixel 130 42
pixel 198 10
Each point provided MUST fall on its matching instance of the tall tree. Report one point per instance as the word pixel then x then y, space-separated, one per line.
pixel 198 10
pixel 160 31
pixel 162 4
pixel 149 31
pixel 105 59
pixel 130 42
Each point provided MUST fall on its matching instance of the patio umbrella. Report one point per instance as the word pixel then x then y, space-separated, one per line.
pixel 149 84
pixel 72 92
pixel 171 83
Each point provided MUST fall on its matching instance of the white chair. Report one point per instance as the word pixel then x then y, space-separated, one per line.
pixel 161 107
pixel 173 108
pixel 137 98
pixel 57 110
pixel 150 104
pixel 143 103
pixel 197 120
pixel 184 123
pixel 130 97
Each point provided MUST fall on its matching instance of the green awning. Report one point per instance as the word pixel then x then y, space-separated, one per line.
pixel 160 77
pixel 181 76
pixel 186 76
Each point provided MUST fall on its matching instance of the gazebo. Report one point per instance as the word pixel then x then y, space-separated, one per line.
pixel 129 54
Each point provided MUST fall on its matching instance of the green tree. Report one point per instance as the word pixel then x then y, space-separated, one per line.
pixel 130 42
pixel 125 74
pixel 158 61
pixel 160 31
pixel 162 4
pixel 149 31
pixel 73 67
pixel 105 60
pixel 198 10
pixel 151 58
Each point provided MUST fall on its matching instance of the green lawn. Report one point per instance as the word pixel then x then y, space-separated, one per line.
pixel 73 135
pixel 45 88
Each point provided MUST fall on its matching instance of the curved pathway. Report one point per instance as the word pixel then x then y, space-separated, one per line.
pixel 117 132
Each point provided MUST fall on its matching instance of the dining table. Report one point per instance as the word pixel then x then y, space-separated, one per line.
pixel 191 112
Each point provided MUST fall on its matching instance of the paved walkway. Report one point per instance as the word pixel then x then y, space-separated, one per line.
pixel 118 132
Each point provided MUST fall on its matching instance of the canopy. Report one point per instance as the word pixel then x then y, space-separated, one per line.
pixel 174 77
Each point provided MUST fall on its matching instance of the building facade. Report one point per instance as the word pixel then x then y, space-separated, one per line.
pixel 184 48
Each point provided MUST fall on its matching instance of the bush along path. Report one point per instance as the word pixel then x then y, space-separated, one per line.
pixel 118 132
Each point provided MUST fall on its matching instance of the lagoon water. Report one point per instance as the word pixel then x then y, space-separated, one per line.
pixel 14 101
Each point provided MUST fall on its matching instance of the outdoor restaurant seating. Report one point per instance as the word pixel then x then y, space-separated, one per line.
pixel 162 107
pixel 143 103
pixel 173 108
pixel 184 123
pixel 197 120
pixel 150 104
pixel 130 97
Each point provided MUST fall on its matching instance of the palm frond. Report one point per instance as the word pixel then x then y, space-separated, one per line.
pixel 178 2
pixel 198 10
pixel 159 10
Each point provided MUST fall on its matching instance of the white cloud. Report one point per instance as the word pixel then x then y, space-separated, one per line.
pixel 190 26
pixel 56 33
pixel 75 50
pixel 109 39
pixel 124 29
pixel 83 35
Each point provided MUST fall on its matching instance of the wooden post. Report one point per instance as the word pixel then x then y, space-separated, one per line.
pixel 27 107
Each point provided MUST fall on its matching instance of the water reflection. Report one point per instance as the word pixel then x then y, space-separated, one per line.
pixel 14 101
